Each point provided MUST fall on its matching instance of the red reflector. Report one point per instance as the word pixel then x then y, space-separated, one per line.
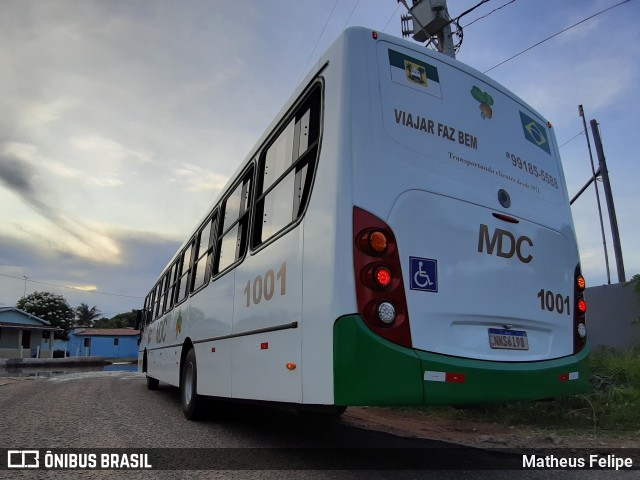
pixel 374 35
pixel 213 349
pixel 455 377
pixel 383 276
pixel 264 346
pixel 564 377
pixel 582 306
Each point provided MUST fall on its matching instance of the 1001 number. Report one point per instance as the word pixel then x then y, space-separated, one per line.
pixel 554 302
pixel 264 286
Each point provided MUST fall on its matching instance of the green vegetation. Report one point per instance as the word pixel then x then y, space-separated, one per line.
pixel 121 320
pixel 50 307
pixel 611 405
pixel 635 281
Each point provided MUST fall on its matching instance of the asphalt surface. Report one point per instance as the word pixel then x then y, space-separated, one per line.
pixel 114 410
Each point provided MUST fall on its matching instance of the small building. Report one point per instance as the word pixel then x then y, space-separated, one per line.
pixel 23 335
pixel 103 342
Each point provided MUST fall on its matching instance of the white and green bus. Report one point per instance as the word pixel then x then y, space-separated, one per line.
pixel 400 235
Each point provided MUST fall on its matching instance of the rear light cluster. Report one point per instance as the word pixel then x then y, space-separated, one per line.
pixel 378 274
pixel 579 311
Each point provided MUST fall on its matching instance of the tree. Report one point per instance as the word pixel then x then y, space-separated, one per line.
pixel 85 316
pixel 50 307
pixel 635 281
pixel 121 320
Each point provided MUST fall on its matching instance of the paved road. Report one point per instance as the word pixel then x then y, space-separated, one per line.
pixel 115 410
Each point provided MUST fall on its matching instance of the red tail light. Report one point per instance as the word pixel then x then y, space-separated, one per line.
pixel 378 273
pixel 579 310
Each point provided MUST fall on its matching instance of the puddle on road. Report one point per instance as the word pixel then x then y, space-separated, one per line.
pixel 47 372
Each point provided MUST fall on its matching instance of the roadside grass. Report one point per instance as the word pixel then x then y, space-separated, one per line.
pixel 612 403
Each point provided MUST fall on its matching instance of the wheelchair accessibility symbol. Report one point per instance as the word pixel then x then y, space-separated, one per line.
pixel 424 274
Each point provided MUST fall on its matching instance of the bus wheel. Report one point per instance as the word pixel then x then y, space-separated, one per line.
pixel 152 383
pixel 192 403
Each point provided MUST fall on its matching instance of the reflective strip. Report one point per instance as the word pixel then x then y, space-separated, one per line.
pixel 435 376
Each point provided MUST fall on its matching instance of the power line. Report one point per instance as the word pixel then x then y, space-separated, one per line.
pixel 492 11
pixel 318 41
pixel 572 138
pixel 556 34
pixel 351 14
pixel 457 19
pixel 22 279
pixel 391 17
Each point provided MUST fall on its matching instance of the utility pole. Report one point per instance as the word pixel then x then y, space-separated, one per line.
pixel 430 20
pixel 595 183
pixel 606 184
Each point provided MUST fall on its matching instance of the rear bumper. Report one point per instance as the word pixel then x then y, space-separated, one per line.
pixel 369 370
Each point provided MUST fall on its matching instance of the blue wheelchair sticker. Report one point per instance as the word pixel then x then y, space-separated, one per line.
pixel 424 274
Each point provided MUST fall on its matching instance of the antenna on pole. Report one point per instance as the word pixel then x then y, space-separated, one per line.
pixel 429 21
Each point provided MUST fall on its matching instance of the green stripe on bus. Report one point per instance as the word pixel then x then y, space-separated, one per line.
pixel 369 370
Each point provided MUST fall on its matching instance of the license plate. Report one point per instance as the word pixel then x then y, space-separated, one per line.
pixel 508 339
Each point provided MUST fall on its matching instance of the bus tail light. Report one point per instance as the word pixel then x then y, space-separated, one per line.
pixel 579 312
pixel 379 287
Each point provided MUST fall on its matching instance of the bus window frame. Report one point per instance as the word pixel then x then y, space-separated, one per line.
pixel 303 159
pixel 248 173
pixel 211 249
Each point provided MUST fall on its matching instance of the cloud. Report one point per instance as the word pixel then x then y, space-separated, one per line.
pixel 41 114
pixel 21 178
pixel 107 149
pixel 19 175
pixel 197 179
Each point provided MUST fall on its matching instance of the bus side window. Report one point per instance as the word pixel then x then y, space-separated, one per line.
pixel 172 288
pixel 145 315
pixel 205 247
pixel 287 168
pixel 185 270
pixel 156 304
pixel 232 242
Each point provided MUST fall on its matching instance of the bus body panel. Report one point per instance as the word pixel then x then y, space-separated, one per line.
pixel 467 271
pixel 211 316
pixel 328 287
pixel 268 294
pixel 160 352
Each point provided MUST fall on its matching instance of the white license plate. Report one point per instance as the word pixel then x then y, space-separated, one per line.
pixel 508 339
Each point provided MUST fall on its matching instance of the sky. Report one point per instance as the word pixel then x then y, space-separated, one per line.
pixel 123 120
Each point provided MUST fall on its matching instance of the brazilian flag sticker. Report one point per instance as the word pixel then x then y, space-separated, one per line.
pixel 535 133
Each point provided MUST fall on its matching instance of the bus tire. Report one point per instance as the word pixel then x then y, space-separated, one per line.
pixel 192 403
pixel 152 383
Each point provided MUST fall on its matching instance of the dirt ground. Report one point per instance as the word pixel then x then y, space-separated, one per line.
pixel 483 435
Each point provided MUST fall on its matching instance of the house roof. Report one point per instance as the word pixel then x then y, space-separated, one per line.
pixel 23 326
pixel 26 314
pixel 107 332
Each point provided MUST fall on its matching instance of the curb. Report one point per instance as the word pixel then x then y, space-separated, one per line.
pixel 47 362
